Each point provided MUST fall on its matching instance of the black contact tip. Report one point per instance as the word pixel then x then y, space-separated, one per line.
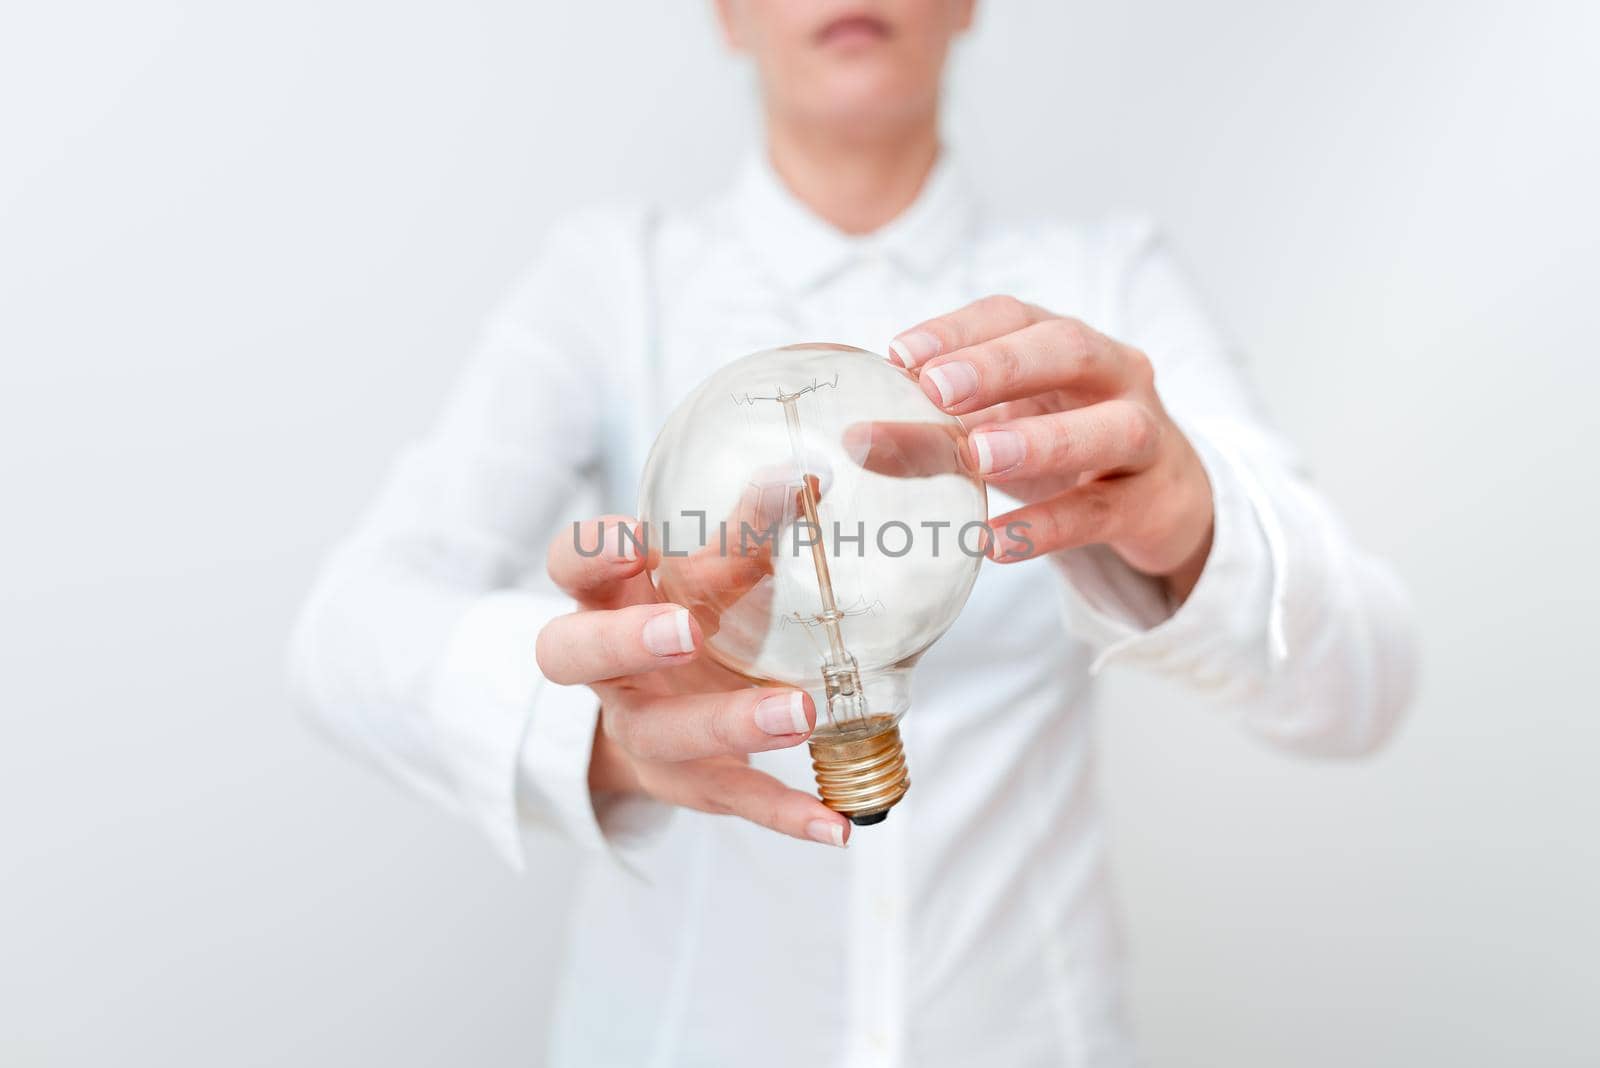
pixel 870 818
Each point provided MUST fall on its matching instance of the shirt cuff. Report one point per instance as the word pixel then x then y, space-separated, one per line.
pixel 480 698
pixel 516 746
pixel 1230 626
pixel 553 779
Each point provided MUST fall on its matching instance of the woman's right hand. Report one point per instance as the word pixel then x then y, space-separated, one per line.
pixel 672 726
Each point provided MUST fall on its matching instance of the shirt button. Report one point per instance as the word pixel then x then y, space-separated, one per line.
pixel 884 908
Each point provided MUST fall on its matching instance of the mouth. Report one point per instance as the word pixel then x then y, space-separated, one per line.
pixel 853 31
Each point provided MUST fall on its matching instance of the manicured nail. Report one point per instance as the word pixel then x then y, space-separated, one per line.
pixel 1011 543
pixel 998 450
pixel 954 381
pixel 911 349
pixel 668 634
pixel 783 713
pixel 827 832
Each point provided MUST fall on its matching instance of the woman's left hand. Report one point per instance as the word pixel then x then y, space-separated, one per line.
pixel 1068 420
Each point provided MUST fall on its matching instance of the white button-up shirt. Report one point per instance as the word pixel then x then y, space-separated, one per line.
pixel 974 926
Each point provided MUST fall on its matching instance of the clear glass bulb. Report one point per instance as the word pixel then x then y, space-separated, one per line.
pixel 811 508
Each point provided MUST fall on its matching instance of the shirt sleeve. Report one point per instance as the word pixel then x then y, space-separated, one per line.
pixel 1308 638
pixel 415 650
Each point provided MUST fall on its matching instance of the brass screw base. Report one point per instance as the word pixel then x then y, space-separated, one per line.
pixel 861 773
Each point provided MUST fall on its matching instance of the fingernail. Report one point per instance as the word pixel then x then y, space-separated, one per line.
pixel 998 450
pixel 1006 545
pixel 911 349
pixel 627 547
pixel 827 832
pixel 783 713
pixel 954 381
pixel 668 634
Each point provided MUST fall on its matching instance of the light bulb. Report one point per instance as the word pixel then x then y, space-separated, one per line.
pixel 811 507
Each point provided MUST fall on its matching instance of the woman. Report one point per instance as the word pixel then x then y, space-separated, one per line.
pixel 1166 528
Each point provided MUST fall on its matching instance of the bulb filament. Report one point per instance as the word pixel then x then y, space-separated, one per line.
pixel 841 676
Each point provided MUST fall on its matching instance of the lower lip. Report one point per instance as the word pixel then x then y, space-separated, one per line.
pixel 848 33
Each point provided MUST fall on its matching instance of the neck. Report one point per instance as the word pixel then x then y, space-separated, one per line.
pixel 857 183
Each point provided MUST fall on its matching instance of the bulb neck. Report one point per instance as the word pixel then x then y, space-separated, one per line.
pixel 861 772
pixel 852 699
pixel 843 690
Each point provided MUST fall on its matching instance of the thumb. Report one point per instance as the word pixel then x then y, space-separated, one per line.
pixel 600 562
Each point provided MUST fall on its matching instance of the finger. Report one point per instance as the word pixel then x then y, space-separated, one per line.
pixel 758 797
pixel 600 562
pixel 731 562
pixel 979 321
pixel 1115 435
pixel 692 726
pixel 592 645
pixel 1038 404
pixel 905 450
pixel 724 561
pixel 769 494
pixel 1058 354
pixel 1090 514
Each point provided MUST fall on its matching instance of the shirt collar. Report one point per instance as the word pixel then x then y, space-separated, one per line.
pixel 803 250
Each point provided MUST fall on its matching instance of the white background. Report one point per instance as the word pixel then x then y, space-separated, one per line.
pixel 243 248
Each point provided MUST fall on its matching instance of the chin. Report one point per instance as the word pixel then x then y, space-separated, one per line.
pixel 865 96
